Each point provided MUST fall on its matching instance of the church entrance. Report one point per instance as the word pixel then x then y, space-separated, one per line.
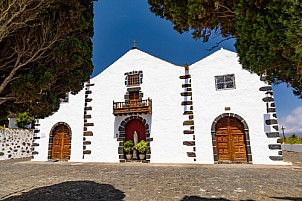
pixel 230 140
pixel 132 126
pixel 60 143
pixel 135 131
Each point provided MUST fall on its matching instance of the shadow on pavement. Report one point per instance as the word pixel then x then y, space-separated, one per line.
pixel 72 190
pixel 197 198
pixel 288 198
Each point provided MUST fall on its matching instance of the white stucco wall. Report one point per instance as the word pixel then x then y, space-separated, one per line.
pixel 72 113
pixel 161 83
pixel 245 101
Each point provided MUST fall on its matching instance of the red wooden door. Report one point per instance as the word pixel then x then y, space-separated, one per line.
pixel 135 125
pixel 230 143
pixel 60 145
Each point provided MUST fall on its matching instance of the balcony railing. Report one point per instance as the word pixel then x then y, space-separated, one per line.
pixel 130 107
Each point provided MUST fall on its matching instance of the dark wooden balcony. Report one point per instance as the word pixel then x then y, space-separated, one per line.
pixel 132 107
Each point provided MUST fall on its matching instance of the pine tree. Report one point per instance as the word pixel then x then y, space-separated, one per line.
pixel 46 56
pixel 268 33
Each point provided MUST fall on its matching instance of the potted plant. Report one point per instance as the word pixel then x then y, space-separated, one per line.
pixel 141 147
pixel 128 147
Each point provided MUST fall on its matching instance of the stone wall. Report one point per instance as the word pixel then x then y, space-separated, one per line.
pixel 15 143
pixel 292 147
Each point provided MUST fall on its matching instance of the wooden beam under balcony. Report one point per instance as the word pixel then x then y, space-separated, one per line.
pixel 132 107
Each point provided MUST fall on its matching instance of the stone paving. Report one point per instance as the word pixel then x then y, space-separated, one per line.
pixel 26 180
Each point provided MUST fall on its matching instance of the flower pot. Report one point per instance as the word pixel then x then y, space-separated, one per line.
pixel 128 156
pixel 142 156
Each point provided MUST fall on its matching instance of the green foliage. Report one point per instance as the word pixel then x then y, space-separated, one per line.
pixel 141 147
pixel 264 43
pixel 128 146
pixel 200 16
pixel 23 120
pixel 293 139
pixel 64 67
pixel 268 33
pixel 3 121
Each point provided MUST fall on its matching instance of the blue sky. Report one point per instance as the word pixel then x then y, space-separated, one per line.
pixel 118 22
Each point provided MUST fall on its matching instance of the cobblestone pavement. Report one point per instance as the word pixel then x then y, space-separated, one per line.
pixel 25 180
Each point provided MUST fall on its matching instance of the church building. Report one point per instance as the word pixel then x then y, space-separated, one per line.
pixel 212 111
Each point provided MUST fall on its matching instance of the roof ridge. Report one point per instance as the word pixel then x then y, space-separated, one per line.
pixel 212 54
pixel 157 58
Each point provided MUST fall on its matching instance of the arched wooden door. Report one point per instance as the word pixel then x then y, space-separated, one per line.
pixel 230 141
pixel 60 145
pixel 135 125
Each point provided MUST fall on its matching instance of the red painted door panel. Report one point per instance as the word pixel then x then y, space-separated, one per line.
pixel 135 125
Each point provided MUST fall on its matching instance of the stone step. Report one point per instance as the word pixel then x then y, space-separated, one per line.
pixel 267 99
pixel 189 122
pixel 186 93
pixel 87 152
pixel 276 158
pixel 272 134
pixel 265 88
pixel 184 76
pixel 274 146
pixel 187 103
pixel 88 108
pixel 188 112
pixel 189 143
pixel 191 154
pixel 88 133
pixel 186 85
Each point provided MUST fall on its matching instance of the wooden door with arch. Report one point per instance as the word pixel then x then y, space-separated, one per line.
pixel 230 140
pixel 60 145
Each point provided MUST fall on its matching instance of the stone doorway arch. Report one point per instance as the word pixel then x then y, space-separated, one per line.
pixel 233 136
pixel 122 137
pixel 59 142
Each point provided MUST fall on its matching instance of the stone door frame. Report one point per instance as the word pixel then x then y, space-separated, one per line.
pixel 246 137
pixel 121 138
pixel 50 143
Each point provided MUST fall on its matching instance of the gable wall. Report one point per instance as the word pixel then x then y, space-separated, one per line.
pixel 161 83
pixel 72 114
pixel 245 101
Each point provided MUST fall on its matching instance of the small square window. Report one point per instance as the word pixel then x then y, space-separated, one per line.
pixel 133 80
pixel 225 82
pixel 66 99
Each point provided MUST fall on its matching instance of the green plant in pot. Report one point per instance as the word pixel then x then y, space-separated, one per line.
pixel 128 147
pixel 141 147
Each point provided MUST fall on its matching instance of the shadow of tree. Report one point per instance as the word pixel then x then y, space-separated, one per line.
pixel 197 198
pixel 288 198
pixel 72 190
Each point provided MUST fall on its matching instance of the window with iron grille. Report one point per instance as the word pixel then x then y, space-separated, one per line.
pixel 225 82
pixel 133 80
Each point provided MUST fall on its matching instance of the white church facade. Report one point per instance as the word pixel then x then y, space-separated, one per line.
pixel 210 112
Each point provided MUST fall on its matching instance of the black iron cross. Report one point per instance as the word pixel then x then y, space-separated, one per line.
pixel 134 43
pixel 283 133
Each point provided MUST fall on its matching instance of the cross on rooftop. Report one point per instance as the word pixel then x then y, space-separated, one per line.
pixel 134 44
